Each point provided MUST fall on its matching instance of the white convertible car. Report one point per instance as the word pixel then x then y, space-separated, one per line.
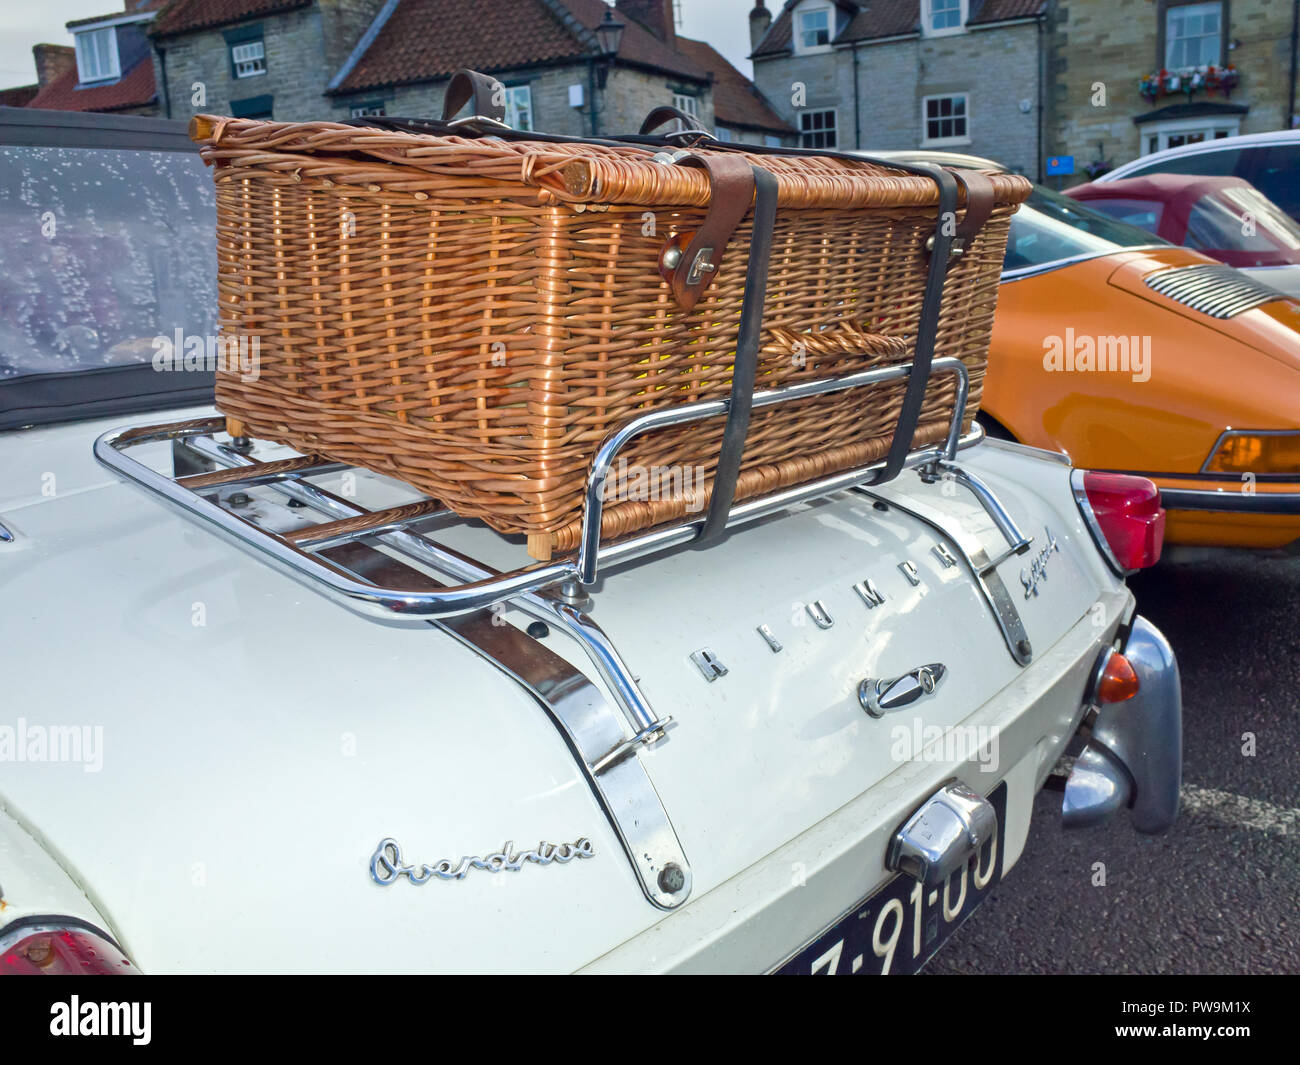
pixel 235 739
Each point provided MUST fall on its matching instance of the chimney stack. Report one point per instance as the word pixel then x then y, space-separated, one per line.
pixel 53 61
pixel 759 20
pixel 654 15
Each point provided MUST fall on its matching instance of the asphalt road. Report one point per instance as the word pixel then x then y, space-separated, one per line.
pixel 1220 893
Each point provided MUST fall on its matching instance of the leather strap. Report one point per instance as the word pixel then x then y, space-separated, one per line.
pixel 661 116
pixel 979 205
pixel 745 368
pixel 469 85
pixel 731 191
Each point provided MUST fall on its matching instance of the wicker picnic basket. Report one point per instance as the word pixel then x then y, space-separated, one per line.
pixel 475 315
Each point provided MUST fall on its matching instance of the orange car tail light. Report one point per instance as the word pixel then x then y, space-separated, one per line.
pixel 1124 515
pixel 1256 452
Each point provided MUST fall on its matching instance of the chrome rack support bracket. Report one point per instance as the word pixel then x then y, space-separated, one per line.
pixel 983 568
pixel 1017 541
pixel 591 726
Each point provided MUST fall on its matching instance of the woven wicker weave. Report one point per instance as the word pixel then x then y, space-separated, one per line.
pixel 474 316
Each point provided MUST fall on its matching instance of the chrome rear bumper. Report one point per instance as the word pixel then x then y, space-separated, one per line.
pixel 1134 757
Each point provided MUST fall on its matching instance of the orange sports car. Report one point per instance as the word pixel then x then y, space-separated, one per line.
pixel 1133 355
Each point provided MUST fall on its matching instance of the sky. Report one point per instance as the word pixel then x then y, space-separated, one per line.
pixel 23 23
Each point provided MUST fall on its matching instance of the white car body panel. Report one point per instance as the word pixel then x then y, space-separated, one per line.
pixel 251 764
pixel 1142 163
pixel 1286 279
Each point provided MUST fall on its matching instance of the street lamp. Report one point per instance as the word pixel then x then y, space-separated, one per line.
pixel 609 35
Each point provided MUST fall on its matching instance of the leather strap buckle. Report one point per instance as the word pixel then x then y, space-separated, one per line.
pixel 689 261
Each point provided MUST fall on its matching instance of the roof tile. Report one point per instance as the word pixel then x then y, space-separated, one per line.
pixel 493 35
pixel 18 96
pixel 875 19
pixel 429 39
pixel 134 89
pixel 185 16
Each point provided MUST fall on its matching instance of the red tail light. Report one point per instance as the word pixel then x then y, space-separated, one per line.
pixel 1124 515
pixel 53 951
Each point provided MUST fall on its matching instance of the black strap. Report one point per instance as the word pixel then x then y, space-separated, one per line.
pixel 927 330
pixel 927 326
pixel 745 368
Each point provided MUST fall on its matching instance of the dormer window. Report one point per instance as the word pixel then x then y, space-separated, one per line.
pixel 944 16
pixel 813 28
pixel 247 51
pixel 97 55
pixel 248 59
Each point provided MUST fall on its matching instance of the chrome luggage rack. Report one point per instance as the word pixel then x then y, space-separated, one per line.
pixel 338 556
pixel 479 585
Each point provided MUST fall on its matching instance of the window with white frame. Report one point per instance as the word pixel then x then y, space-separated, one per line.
pixel 771 140
pixel 370 109
pixel 519 106
pixel 817 129
pixel 684 101
pixel 1193 35
pixel 723 134
pixel 248 59
pixel 945 119
pixel 944 16
pixel 97 55
pixel 813 28
pixel 1161 135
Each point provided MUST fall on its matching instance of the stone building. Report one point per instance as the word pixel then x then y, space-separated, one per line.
pixel 342 59
pixel 1129 77
pixel 957 75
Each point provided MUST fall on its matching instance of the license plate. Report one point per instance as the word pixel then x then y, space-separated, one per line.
pixel 899 928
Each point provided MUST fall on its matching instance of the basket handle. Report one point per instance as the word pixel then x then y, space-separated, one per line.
pixel 667 113
pixel 469 85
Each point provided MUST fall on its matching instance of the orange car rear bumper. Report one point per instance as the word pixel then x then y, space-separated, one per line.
pixel 1215 514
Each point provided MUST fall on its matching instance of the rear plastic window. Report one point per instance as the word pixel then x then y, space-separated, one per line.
pixel 103 250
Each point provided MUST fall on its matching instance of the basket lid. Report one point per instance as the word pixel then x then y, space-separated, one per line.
pixel 585 171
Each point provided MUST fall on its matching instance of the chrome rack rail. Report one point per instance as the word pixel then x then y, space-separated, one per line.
pixel 481 586
pixel 338 556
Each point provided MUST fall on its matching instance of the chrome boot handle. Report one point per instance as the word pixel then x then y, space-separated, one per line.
pixel 878 697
